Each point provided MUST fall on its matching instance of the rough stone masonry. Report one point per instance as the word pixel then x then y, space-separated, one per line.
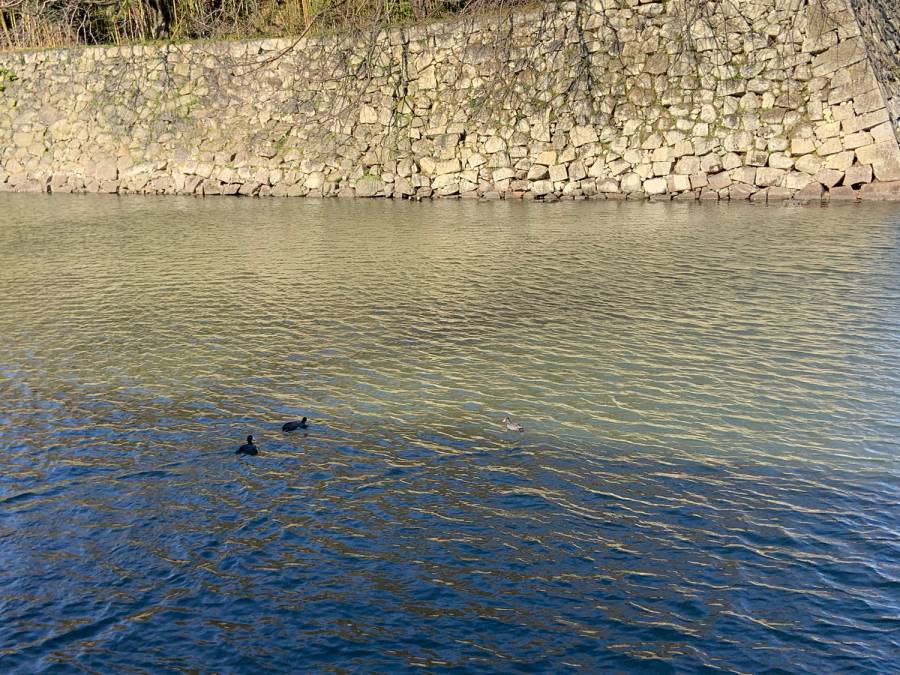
pixel 765 100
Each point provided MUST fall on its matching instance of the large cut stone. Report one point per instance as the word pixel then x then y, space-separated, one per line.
pixel 718 181
pixel 767 176
pixel 740 191
pixel 889 191
pixel 778 194
pixel 884 158
pixel 812 192
pixel 447 166
pixel 841 161
pixel 779 160
pixel 858 174
pixel 843 193
pixel 369 186
pixel 829 177
pixel 537 172
pixel 558 172
pixel 808 163
pixel 655 186
pixel 631 182
pixel 687 165
pixel 579 136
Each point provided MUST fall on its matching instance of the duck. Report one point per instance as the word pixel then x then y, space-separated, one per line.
pixel 293 426
pixel 249 448
pixel 512 426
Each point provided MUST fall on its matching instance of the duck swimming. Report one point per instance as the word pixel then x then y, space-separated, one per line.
pixel 512 426
pixel 293 426
pixel 248 448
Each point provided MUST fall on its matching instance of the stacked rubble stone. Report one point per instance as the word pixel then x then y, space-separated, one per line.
pixel 599 99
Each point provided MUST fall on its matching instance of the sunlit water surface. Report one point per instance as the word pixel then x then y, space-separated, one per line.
pixel 708 477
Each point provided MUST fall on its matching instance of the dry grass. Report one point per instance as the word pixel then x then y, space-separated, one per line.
pixel 55 23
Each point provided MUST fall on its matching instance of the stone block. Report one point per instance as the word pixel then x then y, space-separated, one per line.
pixel 494 144
pixel 779 160
pixel 538 172
pixel 843 193
pixel 887 191
pixel 840 161
pixel 809 163
pixel 778 144
pixel 106 170
pixel 655 186
pixel 315 180
pixel 729 161
pixel 883 132
pixel 608 185
pixel 687 165
pixel 802 146
pixel 868 102
pixel 767 176
pixel 449 189
pixel 699 180
pixel 827 130
pixel 829 177
pixel 719 181
pixel 577 170
pixel 427 166
pixel 778 194
pixel 368 115
pixel 795 180
pixel 547 158
pixel 838 57
pixel 444 167
pixel 708 195
pixel 711 163
pixel 582 135
pixel 744 174
pixel 439 183
pixel 558 172
pixel 663 154
pixel 872 119
pixel 541 187
pixel 857 140
pixel 829 147
pixel 741 141
pixel 652 142
pixel 678 183
pixel 502 174
pixel 856 175
pixel 740 191
pixel 683 148
pixel 812 192
pixel 884 158
pixel 661 168
pixel 631 182
pixel 369 186
pixel 757 158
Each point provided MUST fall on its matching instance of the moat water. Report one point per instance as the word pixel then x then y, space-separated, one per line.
pixel 709 478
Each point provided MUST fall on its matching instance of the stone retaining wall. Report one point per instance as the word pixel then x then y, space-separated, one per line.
pixel 668 99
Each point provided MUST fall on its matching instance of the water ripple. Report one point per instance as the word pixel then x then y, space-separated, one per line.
pixel 708 480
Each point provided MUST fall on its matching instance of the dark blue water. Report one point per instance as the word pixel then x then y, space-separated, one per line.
pixel 708 480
